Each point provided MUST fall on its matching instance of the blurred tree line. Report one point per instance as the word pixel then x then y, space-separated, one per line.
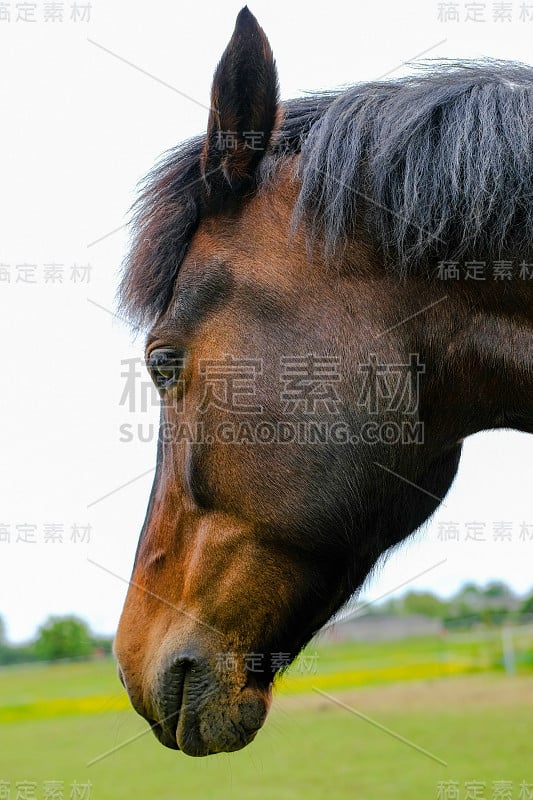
pixel 472 606
pixel 58 638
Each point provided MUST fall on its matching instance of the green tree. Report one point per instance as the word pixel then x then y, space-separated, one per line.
pixel 498 590
pixel 527 606
pixel 424 603
pixel 63 637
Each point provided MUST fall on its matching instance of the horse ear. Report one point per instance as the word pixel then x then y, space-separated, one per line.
pixel 244 107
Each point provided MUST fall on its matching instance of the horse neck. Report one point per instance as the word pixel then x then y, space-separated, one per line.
pixel 488 348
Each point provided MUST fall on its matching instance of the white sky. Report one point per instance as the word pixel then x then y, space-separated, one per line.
pixel 79 128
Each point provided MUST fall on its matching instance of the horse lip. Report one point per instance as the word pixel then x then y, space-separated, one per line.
pixel 163 735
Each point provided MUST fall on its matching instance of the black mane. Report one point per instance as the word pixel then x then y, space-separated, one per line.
pixel 438 165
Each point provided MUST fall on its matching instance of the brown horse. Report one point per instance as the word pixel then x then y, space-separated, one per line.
pixel 338 291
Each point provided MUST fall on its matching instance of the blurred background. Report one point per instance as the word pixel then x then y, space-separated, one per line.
pixel 425 688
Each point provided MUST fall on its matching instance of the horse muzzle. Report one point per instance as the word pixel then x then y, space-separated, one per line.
pixel 201 710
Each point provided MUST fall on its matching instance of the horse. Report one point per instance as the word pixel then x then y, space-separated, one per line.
pixel 336 291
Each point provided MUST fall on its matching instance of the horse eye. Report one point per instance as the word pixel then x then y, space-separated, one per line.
pixel 165 365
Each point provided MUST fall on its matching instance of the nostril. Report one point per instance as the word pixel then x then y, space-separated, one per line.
pixel 175 670
pixel 181 663
pixel 171 687
pixel 175 675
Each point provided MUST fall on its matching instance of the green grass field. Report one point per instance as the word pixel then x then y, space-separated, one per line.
pixel 388 743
